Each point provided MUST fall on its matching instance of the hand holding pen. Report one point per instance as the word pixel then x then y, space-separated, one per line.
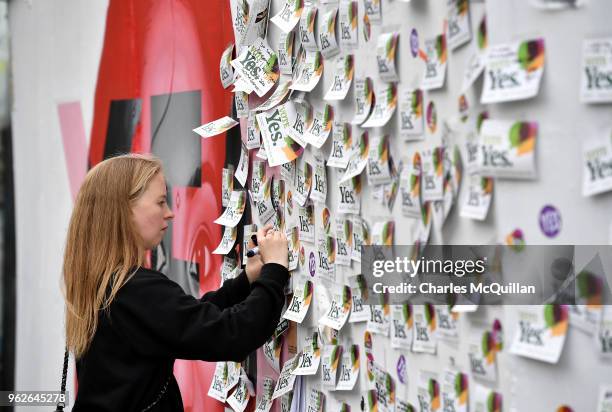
pixel 271 245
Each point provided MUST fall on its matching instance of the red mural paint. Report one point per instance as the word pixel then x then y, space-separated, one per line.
pixel 75 144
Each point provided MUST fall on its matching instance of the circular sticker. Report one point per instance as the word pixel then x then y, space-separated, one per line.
pixel 432 118
pixel 482 116
pixel 498 335
pixel 333 336
pixel 280 218
pixel 367 344
pixel 367 28
pixel 463 108
pixel 482 34
pixel 311 264
pixel 516 240
pixel 550 221
pixel 289 202
pixel 302 256
pixel 326 220
pixel 414 43
pixel 401 369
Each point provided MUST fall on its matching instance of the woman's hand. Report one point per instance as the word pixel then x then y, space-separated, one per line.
pixel 273 246
pixel 253 265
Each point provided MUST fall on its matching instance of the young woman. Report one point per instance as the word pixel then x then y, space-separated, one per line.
pixel 127 324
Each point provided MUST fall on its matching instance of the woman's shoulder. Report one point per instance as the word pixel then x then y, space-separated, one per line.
pixel 146 273
pixel 143 293
pixel 144 278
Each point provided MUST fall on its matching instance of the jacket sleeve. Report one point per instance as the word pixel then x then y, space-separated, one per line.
pixel 232 292
pixel 158 319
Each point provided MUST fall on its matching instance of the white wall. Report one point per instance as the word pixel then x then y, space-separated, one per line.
pixel 527 385
pixel 565 122
pixel 56 48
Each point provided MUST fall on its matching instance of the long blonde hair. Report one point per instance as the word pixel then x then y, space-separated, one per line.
pixel 102 247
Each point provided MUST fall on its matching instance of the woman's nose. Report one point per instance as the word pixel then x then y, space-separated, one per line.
pixel 169 214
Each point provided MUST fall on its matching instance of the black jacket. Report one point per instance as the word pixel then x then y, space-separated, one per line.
pixel 151 322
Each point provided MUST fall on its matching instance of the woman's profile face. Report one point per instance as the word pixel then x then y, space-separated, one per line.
pixel 151 213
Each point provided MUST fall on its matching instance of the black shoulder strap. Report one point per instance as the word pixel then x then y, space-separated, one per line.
pixel 61 405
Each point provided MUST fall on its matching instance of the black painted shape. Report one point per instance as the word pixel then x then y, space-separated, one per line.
pixel 123 117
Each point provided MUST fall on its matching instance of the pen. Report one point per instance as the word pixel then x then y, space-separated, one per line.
pixel 253 252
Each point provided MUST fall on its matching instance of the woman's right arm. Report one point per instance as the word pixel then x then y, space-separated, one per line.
pixel 273 249
pixel 159 319
pixel 232 291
